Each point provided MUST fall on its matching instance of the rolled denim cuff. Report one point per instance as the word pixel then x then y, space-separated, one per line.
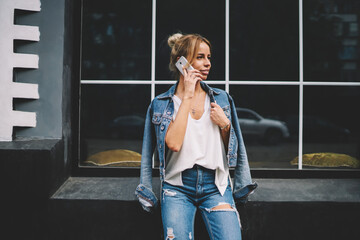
pixel 146 197
pixel 241 195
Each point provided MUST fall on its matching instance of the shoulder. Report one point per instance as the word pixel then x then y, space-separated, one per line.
pixel 222 94
pixel 220 91
pixel 163 96
pixel 159 102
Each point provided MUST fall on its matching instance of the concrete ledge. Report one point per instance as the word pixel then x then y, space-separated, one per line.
pixel 307 190
pixel 100 188
pixel 29 144
pixel 106 208
pixel 269 190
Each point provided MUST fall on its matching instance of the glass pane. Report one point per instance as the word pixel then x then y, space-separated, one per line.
pixel 161 88
pixel 203 17
pixel 331 127
pixel 116 42
pixel 220 86
pixel 264 40
pixel 331 40
pixel 269 122
pixel 112 124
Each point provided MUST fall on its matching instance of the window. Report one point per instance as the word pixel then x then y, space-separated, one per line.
pixel 264 40
pixel 292 68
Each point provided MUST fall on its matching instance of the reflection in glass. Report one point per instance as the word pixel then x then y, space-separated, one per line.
pixel 331 40
pixel 331 124
pixel 112 119
pixel 116 42
pixel 252 124
pixel 269 121
pixel 203 17
pixel 264 40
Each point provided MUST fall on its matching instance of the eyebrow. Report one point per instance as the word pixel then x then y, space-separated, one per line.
pixel 203 54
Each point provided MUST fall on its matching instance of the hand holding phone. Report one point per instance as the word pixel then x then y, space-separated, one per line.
pixel 183 63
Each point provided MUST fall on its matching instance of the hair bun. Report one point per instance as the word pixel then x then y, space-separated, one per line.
pixel 173 38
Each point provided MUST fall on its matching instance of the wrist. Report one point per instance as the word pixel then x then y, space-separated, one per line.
pixel 225 126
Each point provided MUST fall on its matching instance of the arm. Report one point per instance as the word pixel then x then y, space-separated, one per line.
pixel 144 191
pixel 176 131
pixel 225 134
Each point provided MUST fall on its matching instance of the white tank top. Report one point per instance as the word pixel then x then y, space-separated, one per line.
pixel 202 145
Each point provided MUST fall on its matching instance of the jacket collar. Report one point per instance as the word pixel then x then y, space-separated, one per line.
pixel 170 93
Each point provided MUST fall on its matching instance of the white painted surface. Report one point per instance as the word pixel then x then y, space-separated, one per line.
pixel 30 33
pixel 10 60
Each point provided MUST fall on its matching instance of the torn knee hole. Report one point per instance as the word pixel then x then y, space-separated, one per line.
pixel 224 206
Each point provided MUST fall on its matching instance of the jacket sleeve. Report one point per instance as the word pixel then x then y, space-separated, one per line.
pixel 144 191
pixel 243 185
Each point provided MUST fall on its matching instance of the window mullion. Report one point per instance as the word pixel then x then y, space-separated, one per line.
pixel 153 45
pixel 227 45
pixel 301 86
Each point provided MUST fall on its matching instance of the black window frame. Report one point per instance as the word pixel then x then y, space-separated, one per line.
pixel 78 171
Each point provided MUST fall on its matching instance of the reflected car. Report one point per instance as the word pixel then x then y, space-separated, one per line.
pixel 127 127
pixel 267 130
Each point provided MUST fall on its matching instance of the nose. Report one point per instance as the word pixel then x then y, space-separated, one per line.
pixel 207 62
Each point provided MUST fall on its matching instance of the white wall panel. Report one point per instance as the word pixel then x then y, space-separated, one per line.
pixel 10 60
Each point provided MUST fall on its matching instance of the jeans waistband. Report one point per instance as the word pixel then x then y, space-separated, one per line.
pixel 199 177
pixel 197 168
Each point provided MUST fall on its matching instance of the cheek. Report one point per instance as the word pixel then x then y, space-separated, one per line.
pixel 195 65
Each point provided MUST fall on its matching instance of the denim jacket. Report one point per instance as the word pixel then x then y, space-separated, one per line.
pixel 158 118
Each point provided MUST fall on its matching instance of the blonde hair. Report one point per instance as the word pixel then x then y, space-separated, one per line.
pixel 184 45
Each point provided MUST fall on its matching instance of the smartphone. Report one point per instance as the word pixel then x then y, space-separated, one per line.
pixel 183 62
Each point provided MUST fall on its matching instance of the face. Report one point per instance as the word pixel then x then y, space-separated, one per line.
pixel 201 61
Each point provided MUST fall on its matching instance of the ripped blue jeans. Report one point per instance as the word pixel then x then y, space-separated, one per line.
pixel 179 205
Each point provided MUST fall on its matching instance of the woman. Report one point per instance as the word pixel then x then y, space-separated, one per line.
pixel 196 133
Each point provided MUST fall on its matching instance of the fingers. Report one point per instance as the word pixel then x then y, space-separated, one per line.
pixel 192 75
pixel 185 72
pixel 190 71
pixel 215 109
pixel 214 105
pixel 217 115
pixel 193 71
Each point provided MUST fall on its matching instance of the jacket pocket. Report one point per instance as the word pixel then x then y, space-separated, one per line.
pixel 156 118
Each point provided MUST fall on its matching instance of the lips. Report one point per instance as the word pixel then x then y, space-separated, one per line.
pixel 204 72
